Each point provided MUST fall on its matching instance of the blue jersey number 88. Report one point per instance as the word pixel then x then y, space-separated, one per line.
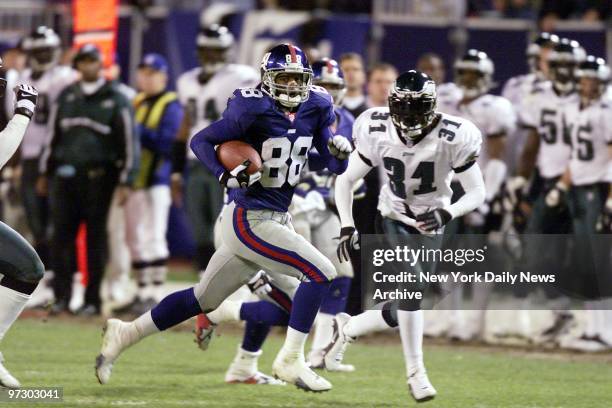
pixel 275 154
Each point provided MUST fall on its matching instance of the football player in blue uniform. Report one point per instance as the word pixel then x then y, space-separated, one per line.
pixel 281 119
pixel 313 216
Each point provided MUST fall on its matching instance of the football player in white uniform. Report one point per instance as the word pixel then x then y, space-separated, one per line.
pixel 495 117
pixel 420 149
pixel 204 92
pixel 22 268
pixel 546 111
pixel 585 186
pixel 517 88
pixel 43 49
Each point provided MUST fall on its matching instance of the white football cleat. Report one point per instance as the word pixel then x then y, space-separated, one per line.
pixel 117 337
pixel 316 359
pixel 293 369
pixel 334 352
pixel 420 388
pixel 258 378
pixel 243 370
pixel 6 379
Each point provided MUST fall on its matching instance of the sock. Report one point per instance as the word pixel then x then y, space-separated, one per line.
pixel 323 332
pixel 228 311
pixel 11 305
pixel 482 293
pixel 254 336
pixel 335 300
pixel 306 302
pixel 175 308
pixel 294 343
pixel 143 278
pixel 411 332
pixel 370 321
pixel 243 366
pixel 144 325
pixel 263 312
pixel 158 276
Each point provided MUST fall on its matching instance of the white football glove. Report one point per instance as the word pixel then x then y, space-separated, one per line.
pixel 259 284
pixel 349 241
pixel 556 195
pixel 25 96
pixel 339 147
pixel 238 177
pixel 515 187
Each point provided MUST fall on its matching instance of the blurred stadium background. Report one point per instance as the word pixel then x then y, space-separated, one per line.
pixel 392 31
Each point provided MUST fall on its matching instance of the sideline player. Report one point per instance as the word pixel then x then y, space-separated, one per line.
pixel 203 91
pixel 22 268
pixel 544 159
pixel 585 188
pixel 495 118
pixel 277 119
pixel 420 150
pixel 43 48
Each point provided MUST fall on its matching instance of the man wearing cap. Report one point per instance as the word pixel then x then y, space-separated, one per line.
pixel 89 151
pixel 158 118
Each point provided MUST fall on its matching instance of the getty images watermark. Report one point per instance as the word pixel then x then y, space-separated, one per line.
pixel 426 267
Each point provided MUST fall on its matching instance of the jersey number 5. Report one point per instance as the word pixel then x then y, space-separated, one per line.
pixel 275 154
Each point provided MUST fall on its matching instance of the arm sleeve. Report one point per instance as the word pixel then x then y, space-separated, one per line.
pixel 11 137
pixel 473 184
pixel 232 126
pixel 315 161
pixel 320 142
pixel 125 129
pixel 161 140
pixel 343 189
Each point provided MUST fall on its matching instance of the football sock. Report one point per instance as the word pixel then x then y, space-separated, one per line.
pixel 294 342
pixel 228 311
pixel 370 321
pixel 158 274
pixel 411 332
pixel 306 304
pixel 323 332
pixel 335 300
pixel 175 308
pixel 254 336
pixel 11 305
pixel 263 312
pixel 144 325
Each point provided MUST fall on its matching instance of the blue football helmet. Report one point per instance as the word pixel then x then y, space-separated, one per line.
pixel 286 59
pixel 327 74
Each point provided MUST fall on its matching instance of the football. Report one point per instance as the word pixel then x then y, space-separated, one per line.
pixel 235 152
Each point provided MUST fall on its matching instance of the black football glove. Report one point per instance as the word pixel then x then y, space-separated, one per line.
pixel 26 96
pixel 433 220
pixel 349 240
pixel 238 177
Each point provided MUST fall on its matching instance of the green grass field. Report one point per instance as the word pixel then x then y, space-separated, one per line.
pixel 169 371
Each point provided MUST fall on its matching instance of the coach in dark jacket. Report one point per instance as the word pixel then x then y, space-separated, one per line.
pixel 89 152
